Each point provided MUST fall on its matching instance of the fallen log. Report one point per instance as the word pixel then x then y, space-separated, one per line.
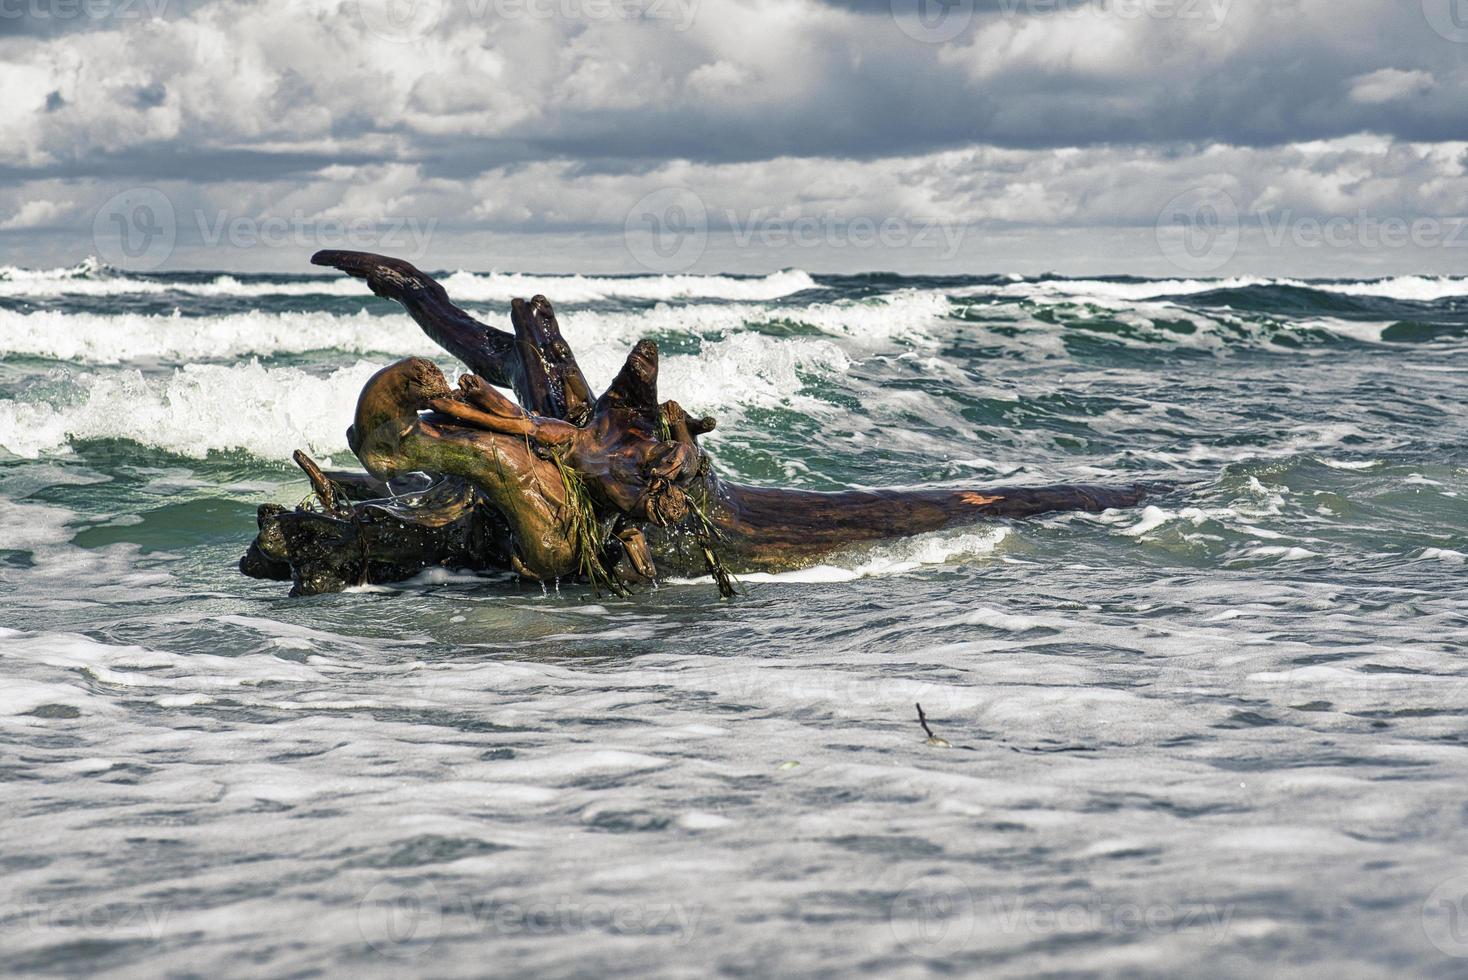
pixel 557 484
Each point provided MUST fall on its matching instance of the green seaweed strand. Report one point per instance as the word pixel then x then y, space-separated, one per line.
pixel 708 536
pixel 584 530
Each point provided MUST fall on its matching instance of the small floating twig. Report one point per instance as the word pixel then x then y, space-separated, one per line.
pixel 933 740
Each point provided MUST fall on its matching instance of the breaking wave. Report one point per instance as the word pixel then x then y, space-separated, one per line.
pixel 93 278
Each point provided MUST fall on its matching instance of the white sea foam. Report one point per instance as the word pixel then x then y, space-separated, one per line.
pixel 1283 553
pixel 92 338
pixel 904 313
pixel 195 409
pixel 1420 288
pixel 477 287
pixel 1349 464
pixel 270 411
pixel 1119 293
pixel 95 339
pixel 26 526
pixel 897 558
pixel 92 279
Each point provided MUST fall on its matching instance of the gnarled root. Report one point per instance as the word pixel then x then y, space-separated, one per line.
pixel 373 541
pixel 612 490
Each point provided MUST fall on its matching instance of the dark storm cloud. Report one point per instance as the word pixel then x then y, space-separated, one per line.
pixel 846 79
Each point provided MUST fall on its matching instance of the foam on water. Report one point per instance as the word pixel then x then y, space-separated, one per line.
pixel 270 411
pixel 196 409
pixel 125 337
pixel 1418 288
pixel 93 279
pixel 1177 741
pixel 898 558
pixel 131 337
pixel 903 313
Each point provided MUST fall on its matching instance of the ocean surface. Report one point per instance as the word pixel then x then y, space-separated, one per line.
pixel 1225 734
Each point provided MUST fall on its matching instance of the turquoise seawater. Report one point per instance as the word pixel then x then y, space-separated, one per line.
pixel 1224 734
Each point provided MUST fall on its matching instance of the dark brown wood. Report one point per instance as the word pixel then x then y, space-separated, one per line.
pixel 376 541
pixel 614 489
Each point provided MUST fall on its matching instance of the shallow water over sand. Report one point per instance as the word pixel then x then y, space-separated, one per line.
pixel 1223 734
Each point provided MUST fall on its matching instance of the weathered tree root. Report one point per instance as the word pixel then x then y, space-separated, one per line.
pixel 611 490
pixel 366 533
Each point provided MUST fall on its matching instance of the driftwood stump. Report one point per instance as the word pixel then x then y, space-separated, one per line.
pixel 557 484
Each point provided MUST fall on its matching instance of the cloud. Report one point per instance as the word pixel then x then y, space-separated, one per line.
pixel 1390 84
pixel 35 214
pixel 746 79
pixel 525 115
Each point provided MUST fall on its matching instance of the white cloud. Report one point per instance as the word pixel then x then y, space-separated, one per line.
pixel 35 214
pixel 1390 84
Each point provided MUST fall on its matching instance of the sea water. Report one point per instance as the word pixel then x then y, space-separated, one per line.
pixel 1224 733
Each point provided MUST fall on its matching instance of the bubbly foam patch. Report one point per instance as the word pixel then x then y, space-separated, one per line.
pixel 32 526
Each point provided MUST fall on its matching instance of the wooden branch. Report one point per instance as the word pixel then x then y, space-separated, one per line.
pixel 633 393
pixel 488 352
pixel 319 482
pixel 550 383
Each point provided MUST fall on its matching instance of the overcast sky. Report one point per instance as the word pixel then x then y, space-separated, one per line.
pixel 1161 137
